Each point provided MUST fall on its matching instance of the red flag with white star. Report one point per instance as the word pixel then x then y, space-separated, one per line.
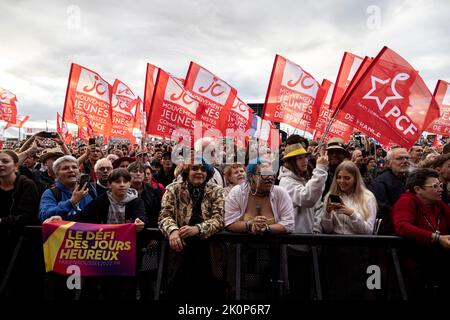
pixel 390 102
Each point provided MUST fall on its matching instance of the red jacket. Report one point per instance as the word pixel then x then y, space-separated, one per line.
pixel 408 218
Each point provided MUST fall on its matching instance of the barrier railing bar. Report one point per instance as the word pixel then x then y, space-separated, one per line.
pixel 11 266
pixel 317 282
pixel 398 273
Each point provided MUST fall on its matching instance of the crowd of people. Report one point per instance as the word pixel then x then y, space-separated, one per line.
pixel 340 188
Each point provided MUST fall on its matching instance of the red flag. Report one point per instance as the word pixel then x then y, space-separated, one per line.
pixel 150 80
pixel 62 129
pixel 124 107
pixel 83 133
pixel 390 102
pixel 58 123
pixel 88 100
pixel 442 97
pixel 338 128
pixel 240 117
pixel 18 124
pixel 349 65
pixel 293 97
pixel 437 142
pixel 173 108
pixel 8 109
pixel 215 96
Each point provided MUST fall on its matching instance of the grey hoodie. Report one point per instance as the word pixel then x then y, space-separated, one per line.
pixel 116 212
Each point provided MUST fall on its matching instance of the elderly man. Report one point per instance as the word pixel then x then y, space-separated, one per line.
pixel 102 168
pixel 389 185
pixel 442 165
pixel 67 197
pixel 416 154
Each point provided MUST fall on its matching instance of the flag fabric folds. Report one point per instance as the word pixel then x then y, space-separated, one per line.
pixel 293 97
pixel 390 102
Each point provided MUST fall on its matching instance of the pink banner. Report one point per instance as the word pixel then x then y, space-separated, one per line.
pixel 97 249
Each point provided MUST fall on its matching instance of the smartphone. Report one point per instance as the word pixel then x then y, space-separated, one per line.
pixel 84 180
pixel 91 141
pixel 46 135
pixel 334 198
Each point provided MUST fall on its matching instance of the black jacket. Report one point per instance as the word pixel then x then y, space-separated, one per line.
pixel 387 188
pixel 152 203
pixel 25 204
pixel 97 211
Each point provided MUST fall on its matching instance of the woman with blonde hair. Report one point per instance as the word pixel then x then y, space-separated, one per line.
pixel 350 207
pixel 234 175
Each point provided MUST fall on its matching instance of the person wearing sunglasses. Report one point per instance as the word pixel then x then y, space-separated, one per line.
pixel 421 216
pixel 192 211
pixel 258 206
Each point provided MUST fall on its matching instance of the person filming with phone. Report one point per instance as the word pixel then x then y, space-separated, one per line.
pixel 350 208
pixel 69 195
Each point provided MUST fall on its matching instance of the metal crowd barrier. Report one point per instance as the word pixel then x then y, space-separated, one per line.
pixel 392 243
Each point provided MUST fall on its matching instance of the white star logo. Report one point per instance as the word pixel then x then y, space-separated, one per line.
pixel 381 105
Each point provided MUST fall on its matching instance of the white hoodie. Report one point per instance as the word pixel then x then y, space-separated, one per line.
pixel 306 196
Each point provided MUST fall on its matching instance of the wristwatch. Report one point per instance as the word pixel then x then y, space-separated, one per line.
pixel 268 230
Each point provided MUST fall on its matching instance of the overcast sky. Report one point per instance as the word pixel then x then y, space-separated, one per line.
pixel 235 39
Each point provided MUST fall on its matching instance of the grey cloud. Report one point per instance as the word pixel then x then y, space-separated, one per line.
pixel 236 39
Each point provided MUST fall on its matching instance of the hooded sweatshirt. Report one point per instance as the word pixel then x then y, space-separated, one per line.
pixel 306 196
pixel 116 212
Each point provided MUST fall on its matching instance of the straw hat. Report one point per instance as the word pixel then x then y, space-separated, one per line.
pixel 50 153
pixel 294 150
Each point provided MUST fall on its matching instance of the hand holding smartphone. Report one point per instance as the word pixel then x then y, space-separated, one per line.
pixel 84 181
pixel 335 199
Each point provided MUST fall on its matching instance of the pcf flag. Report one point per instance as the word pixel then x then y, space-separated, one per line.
pixel 390 102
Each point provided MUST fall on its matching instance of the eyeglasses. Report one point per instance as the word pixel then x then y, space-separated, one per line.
pixel 435 186
pixel 402 158
pixel 197 168
pixel 264 175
